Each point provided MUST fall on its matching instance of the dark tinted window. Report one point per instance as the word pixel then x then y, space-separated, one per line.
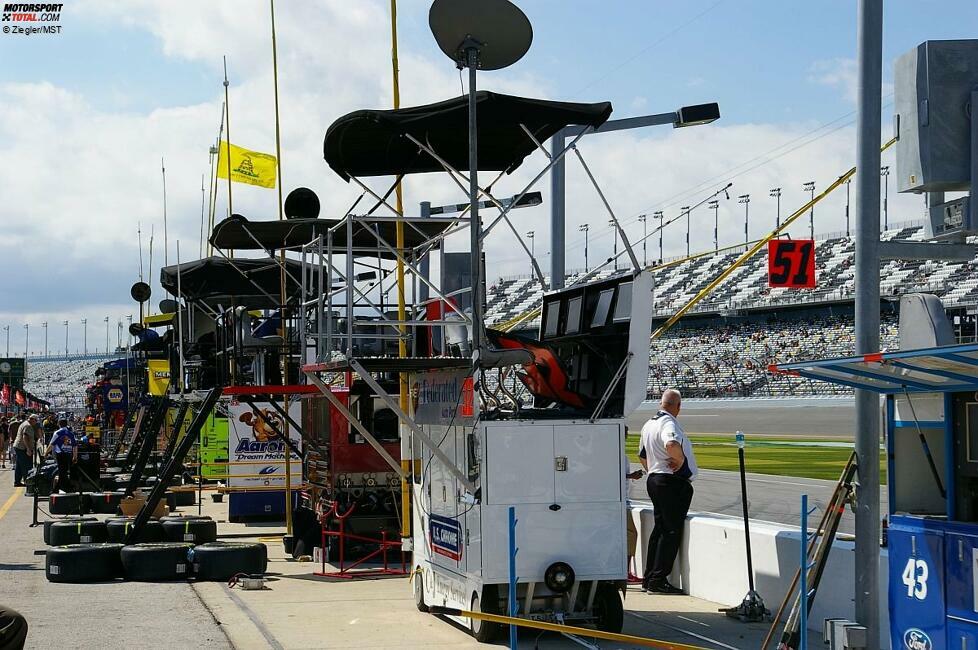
pixel 602 308
pixel 573 316
pixel 623 308
pixel 552 319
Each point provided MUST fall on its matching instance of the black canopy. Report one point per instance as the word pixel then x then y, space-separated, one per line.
pixel 238 233
pixel 374 142
pixel 215 280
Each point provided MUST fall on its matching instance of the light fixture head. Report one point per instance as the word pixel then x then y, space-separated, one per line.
pixel 696 115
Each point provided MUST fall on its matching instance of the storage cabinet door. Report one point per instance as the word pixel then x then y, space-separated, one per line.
pixel 587 463
pixel 519 464
pixel 916 588
pixel 962 635
pixel 962 564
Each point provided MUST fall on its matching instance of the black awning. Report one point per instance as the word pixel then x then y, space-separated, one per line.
pixel 374 142
pixel 238 233
pixel 215 280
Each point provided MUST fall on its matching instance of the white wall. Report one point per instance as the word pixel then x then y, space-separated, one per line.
pixel 712 565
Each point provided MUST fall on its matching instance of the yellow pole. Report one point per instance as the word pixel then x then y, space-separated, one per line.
pixel 754 249
pixel 401 309
pixel 284 296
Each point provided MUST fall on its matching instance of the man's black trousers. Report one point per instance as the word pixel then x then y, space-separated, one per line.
pixel 671 496
pixel 64 471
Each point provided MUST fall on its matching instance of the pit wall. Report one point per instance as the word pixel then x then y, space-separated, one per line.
pixel 712 565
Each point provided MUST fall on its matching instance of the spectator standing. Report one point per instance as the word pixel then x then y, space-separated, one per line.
pixel 4 442
pixel 65 451
pixel 13 423
pixel 24 445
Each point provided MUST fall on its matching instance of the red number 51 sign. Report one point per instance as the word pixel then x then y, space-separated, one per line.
pixel 791 263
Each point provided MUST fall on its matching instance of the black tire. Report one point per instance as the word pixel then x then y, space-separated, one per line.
pixel 156 562
pixel 107 503
pixel 608 609
pixel 50 522
pixel 64 504
pixel 117 529
pixel 418 586
pixel 63 533
pixel 194 531
pixel 184 498
pixel 171 501
pixel 86 502
pixel 485 631
pixel 83 563
pixel 222 560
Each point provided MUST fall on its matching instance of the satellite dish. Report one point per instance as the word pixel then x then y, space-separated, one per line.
pixel 168 306
pixel 496 28
pixel 301 203
pixel 140 292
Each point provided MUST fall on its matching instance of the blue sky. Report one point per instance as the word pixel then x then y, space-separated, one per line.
pixel 128 82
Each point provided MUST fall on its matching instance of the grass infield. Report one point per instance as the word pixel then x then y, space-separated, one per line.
pixel 807 458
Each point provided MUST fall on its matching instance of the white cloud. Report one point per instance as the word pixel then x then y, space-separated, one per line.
pixel 842 74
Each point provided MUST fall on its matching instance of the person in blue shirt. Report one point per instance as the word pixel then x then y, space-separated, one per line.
pixel 65 450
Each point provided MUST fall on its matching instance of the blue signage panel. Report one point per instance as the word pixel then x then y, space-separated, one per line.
pixel 445 536
pixel 916 558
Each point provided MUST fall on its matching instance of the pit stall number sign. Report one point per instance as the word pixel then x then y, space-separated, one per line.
pixel 791 263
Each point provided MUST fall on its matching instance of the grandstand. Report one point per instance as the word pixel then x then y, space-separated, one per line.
pixel 62 381
pixel 723 347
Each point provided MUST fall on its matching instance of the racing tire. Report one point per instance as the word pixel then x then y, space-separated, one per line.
pixel 63 533
pixel 65 504
pixel 156 562
pixel 107 503
pixel 117 530
pixel 485 631
pixel 223 560
pixel 194 531
pixel 83 563
pixel 608 609
pixel 51 522
pixel 184 498
pixel 418 586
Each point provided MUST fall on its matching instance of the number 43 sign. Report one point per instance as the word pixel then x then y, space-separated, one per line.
pixel 791 263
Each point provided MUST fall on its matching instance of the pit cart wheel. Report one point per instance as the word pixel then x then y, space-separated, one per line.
pixel 156 562
pixel 222 560
pixel 63 533
pixel 419 592
pixel 118 528
pixel 485 631
pixel 51 522
pixel 195 531
pixel 83 563
pixel 608 609
pixel 64 504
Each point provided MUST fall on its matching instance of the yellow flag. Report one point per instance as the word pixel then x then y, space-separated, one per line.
pixel 252 167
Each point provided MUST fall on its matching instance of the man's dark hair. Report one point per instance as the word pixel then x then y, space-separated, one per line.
pixel 62 422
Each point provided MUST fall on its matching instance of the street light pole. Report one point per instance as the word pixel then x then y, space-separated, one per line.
pixel 66 339
pixel 6 328
pixel 885 173
pixel 715 206
pixel 27 338
pixel 776 193
pixel 129 320
pixel 106 335
pixel 645 234
pixel 685 209
pixel 848 183
pixel 810 187
pixel 658 215
pixel 84 323
pixel 45 326
pixel 531 235
pixel 614 229
pixel 745 199
pixel 584 228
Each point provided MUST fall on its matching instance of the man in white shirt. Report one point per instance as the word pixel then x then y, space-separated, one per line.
pixel 667 454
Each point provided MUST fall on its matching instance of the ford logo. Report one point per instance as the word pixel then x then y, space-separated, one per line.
pixel 914 639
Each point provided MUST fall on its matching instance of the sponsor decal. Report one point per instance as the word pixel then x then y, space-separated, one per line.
pixel 445 537
pixel 916 639
pixel 114 395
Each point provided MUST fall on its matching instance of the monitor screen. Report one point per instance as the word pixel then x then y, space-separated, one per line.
pixel 602 308
pixel 623 308
pixel 573 316
pixel 552 318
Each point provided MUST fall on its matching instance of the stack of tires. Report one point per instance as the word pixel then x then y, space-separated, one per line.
pixel 84 549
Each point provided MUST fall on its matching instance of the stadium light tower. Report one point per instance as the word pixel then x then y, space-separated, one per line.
pixel 614 229
pixel 84 323
pixel 776 193
pixel 27 338
pixel 685 209
pixel 885 173
pixel 848 183
pixel 658 215
pixel 745 199
pixel 6 328
pixel 810 187
pixel 45 326
pixel 129 321
pixel 645 234
pixel 106 319
pixel 715 206
pixel 66 339
pixel 584 228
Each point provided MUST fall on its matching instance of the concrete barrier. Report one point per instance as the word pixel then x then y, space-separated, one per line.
pixel 712 565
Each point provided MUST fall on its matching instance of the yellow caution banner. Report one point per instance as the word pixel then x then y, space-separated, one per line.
pixel 251 167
